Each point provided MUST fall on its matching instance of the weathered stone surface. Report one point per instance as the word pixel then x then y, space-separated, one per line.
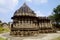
pixel 25 23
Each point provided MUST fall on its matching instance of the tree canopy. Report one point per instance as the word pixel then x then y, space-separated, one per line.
pixel 56 15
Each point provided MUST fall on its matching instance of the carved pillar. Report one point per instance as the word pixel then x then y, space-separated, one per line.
pixel 47 25
pixel 42 25
pixel 51 23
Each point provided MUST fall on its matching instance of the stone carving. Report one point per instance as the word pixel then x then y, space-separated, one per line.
pixel 25 23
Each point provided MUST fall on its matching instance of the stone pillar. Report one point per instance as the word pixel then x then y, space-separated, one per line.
pixel 23 24
pixel 21 33
pixel 19 23
pixel 46 24
pixel 20 13
pixel 51 23
pixel 31 24
pixel 42 24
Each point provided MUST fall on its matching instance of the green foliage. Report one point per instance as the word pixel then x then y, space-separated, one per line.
pixel 56 15
pixel 2 38
pixel 6 29
pixel 0 25
pixel 0 21
pixel 2 30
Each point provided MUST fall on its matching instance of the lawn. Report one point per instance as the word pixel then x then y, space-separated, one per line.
pixel 2 38
pixel 58 38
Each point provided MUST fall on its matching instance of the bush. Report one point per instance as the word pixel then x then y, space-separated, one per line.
pixel 56 25
pixel 2 30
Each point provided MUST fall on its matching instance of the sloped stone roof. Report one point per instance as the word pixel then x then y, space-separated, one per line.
pixel 24 9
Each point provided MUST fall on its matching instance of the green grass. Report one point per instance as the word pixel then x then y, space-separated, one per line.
pixel 6 29
pixel 58 38
pixel 2 38
pixel 3 30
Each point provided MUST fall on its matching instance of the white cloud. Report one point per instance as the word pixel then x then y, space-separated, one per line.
pixel 43 1
pixel 11 3
pixel 2 2
pixel 3 10
pixel 28 0
pixel 6 5
pixel 37 1
pixel 39 13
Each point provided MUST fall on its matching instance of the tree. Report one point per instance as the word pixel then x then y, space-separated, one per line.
pixel 56 15
pixel 0 21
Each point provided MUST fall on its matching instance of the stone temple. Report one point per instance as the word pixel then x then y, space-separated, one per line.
pixel 26 23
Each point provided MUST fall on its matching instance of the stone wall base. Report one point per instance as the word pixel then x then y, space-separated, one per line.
pixel 30 33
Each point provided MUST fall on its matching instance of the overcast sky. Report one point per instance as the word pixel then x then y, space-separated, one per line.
pixel 40 7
